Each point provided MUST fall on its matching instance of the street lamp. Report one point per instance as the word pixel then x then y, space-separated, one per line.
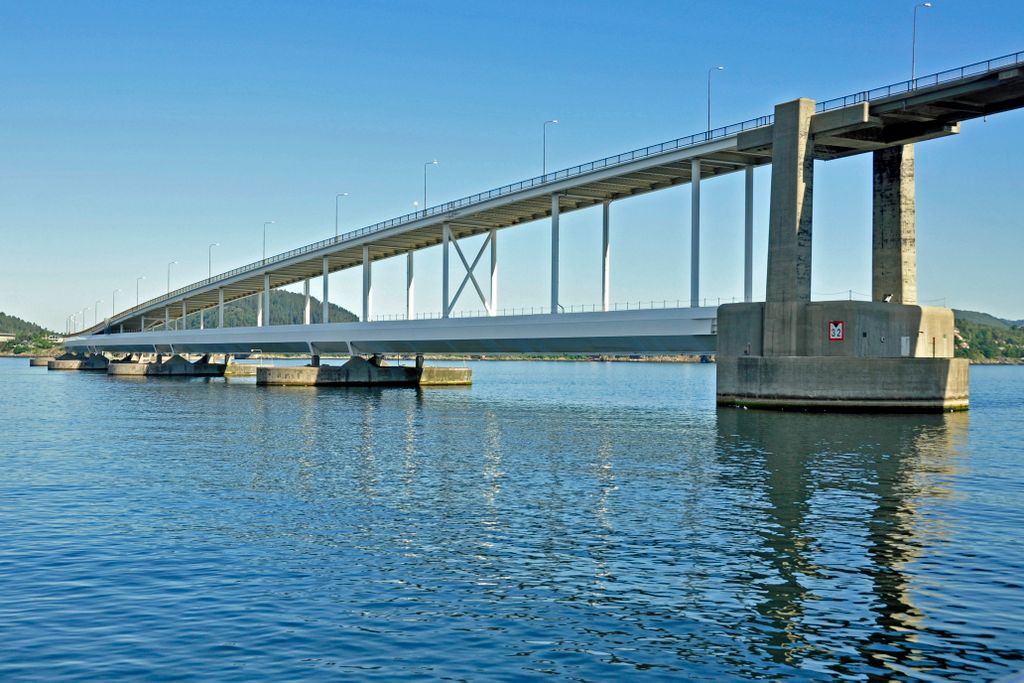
pixel 711 71
pixel 544 163
pixel 265 224
pixel 209 259
pixel 96 311
pixel 113 299
pixel 425 166
pixel 169 275
pixel 337 199
pixel 913 42
pixel 141 277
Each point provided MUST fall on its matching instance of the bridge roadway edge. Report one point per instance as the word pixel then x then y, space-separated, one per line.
pixel 645 331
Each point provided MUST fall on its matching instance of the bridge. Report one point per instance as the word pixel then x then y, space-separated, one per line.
pixel 884 121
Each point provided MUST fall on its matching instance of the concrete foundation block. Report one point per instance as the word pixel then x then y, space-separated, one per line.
pixel 359 372
pixel 843 383
pixel 176 366
pixel 41 362
pixel 70 361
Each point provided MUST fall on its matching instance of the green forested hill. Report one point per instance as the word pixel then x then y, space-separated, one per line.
pixel 983 319
pixel 29 337
pixel 978 341
pixel 22 329
pixel 285 309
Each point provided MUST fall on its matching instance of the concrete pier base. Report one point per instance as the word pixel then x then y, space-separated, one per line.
pixel 40 362
pixel 176 366
pixel 841 355
pixel 360 372
pixel 73 361
pixel 844 384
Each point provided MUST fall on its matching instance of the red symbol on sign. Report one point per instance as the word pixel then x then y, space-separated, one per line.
pixel 836 330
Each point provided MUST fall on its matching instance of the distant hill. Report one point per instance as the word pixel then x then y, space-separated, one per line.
pixel 286 308
pixel 22 329
pixel 985 319
pixel 984 336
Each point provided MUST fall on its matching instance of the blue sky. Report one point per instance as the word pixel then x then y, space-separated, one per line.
pixel 134 134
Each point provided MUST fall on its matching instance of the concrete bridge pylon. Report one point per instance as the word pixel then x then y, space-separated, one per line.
pixel 888 354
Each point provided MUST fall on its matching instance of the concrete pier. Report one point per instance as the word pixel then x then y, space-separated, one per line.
pixel 75 361
pixel 890 358
pixel 894 226
pixel 176 366
pixel 40 362
pixel 362 372
pixel 791 353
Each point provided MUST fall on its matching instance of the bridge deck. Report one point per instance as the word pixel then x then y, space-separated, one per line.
pixel 647 331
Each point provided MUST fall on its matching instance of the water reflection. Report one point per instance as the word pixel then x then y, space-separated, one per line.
pixel 836 498
pixel 590 521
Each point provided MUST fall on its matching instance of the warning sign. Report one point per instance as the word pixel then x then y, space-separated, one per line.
pixel 836 330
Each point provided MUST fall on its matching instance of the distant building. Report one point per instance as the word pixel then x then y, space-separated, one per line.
pixel 4 337
pixel 55 338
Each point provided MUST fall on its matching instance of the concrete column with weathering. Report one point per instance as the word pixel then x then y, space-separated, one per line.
pixel 788 288
pixel 894 229
pixel 789 222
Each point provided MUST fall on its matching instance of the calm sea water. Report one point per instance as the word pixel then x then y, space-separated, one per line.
pixel 593 521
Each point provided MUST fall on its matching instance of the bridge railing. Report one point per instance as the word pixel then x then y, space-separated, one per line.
pixel 644 304
pixel 931 80
pixel 978 68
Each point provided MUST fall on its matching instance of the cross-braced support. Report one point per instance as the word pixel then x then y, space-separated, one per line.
pixel 490 303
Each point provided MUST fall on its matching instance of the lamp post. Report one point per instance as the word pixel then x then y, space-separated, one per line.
pixel 711 71
pixel 96 311
pixel 209 260
pixel 113 304
pixel 169 275
pixel 913 41
pixel 141 277
pixel 265 224
pixel 82 313
pixel 425 167
pixel 544 163
pixel 337 199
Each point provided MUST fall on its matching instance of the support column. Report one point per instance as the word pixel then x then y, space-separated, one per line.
pixel 789 223
pixel 266 299
pixel 184 315
pixel 789 230
pixel 748 235
pixel 446 236
pixel 894 226
pixel 554 253
pixel 494 273
pixel 326 315
pixel 605 255
pixel 220 307
pixel 367 285
pixel 410 292
pixel 259 310
pixel 202 319
pixel 694 233
pixel 142 324
pixel 306 312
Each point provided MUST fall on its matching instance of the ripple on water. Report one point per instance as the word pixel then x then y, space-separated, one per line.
pixel 591 521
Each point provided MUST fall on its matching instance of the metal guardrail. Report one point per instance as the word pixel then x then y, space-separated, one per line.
pixel 929 81
pixel 976 69
pixel 639 305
